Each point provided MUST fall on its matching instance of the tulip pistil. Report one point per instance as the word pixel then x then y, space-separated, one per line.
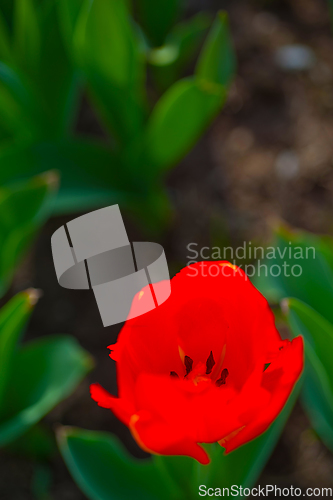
pixel 197 374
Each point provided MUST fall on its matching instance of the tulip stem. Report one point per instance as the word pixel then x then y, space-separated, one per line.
pixel 178 479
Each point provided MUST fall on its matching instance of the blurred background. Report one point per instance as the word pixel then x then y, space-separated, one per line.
pixel 267 156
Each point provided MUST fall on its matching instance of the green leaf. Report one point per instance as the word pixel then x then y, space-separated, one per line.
pixel 13 317
pixel 43 373
pixel 325 248
pixel 23 209
pixel 157 18
pixel 20 111
pixel 10 112
pixel 26 35
pixel 68 15
pixel 297 266
pixel 316 330
pixel 150 210
pixel 104 470
pixel 178 120
pixel 38 92
pixel 241 467
pixel 104 36
pixel 182 471
pixel 317 392
pixel 108 52
pixel 188 106
pixel 317 398
pixel 91 175
pixel 5 49
pixel 217 61
pixel 170 60
pixel 57 79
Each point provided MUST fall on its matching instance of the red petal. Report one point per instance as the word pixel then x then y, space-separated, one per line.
pixel 157 436
pixel 121 408
pixel 279 379
pixel 207 313
pixel 199 415
pixel 203 314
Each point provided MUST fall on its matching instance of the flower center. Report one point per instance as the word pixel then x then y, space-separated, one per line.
pixel 200 371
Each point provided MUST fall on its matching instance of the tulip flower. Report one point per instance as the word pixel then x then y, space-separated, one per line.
pixel 206 366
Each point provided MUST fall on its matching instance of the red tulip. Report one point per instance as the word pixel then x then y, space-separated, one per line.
pixel 207 365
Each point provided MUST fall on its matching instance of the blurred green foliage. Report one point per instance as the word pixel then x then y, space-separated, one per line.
pixel 52 52
pixel 318 380
pixel 158 18
pixel 24 207
pixel 103 469
pixel 36 75
pixel 35 376
pixel 307 303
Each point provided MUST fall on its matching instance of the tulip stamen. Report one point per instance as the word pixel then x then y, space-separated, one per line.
pixel 174 374
pixel 188 364
pixel 210 363
pixel 224 375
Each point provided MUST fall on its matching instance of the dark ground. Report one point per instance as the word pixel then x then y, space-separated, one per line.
pixel 268 155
